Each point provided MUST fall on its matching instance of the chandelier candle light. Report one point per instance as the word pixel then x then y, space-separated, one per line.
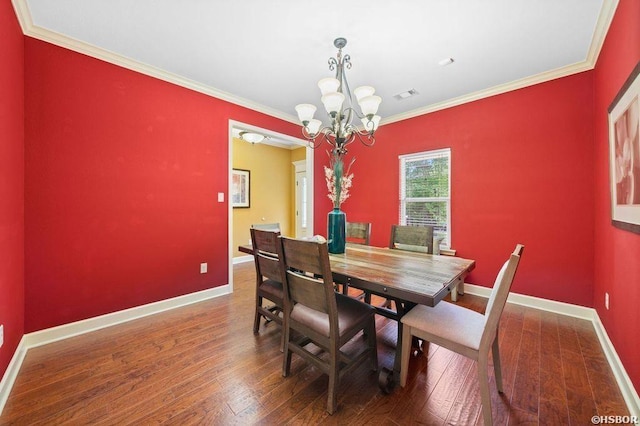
pixel 340 132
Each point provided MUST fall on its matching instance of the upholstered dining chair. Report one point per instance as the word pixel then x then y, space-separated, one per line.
pixel 268 278
pixel 315 313
pixel 464 331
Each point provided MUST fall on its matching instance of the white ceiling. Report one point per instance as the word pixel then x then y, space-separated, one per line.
pixel 268 55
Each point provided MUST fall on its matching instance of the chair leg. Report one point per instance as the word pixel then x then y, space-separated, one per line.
pixel 485 395
pixel 373 344
pixel 334 380
pixel 496 364
pixel 286 359
pixel 256 320
pixel 405 353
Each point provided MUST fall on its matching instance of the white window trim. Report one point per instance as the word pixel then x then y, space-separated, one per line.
pixel 422 155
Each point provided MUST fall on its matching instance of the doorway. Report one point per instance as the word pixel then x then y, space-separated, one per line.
pixel 269 164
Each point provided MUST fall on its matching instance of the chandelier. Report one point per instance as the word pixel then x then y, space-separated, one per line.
pixel 337 100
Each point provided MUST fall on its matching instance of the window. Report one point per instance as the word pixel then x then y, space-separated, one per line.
pixel 425 192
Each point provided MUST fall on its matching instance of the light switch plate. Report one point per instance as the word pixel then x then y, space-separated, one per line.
pixel 221 197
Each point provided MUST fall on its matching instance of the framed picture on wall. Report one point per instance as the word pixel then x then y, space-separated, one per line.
pixel 624 154
pixel 241 188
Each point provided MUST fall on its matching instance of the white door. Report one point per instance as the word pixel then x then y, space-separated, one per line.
pixel 301 200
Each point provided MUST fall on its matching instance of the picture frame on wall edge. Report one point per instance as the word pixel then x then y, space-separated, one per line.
pixel 624 154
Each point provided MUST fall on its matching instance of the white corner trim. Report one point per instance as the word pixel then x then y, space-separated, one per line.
pixel 625 385
pixel 65 331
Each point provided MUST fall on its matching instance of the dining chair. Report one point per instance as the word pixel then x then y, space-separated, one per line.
pixel 315 313
pixel 357 233
pixel 273 227
pixel 268 278
pixel 412 238
pixel 464 331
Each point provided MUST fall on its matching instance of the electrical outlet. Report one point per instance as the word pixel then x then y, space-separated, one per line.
pixel 606 300
pixel 203 268
pixel 1 335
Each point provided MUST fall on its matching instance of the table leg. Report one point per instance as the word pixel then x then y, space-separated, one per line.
pixel 457 290
pixel 387 378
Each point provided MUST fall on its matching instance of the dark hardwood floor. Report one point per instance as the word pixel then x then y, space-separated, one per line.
pixel 201 364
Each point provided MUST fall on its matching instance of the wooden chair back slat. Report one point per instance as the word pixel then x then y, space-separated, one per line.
pixel 412 238
pixel 265 242
pixel 358 232
pixel 273 227
pixel 307 290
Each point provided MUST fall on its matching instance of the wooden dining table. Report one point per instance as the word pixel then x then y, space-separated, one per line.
pixel 407 278
pixel 404 277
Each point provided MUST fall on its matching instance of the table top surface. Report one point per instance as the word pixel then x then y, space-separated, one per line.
pixel 414 277
pixel 407 276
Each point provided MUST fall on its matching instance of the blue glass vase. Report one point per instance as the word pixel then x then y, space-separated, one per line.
pixel 336 235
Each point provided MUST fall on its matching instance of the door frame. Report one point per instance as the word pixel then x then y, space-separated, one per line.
pixel 233 124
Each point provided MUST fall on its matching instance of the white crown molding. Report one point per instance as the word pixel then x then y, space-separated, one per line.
pixel 28 28
pixel 31 30
pixel 602 27
pixel 496 90
pixel 605 18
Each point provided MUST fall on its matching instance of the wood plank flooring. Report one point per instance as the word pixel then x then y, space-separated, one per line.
pixel 201 364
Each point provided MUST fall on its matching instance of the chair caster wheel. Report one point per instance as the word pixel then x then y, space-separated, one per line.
pixel 385 380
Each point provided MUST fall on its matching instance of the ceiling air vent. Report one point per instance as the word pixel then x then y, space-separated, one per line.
pixel 405 95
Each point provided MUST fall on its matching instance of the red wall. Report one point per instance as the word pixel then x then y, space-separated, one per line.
pixel 617 259
pixel 11 182
pixel 122 172
pixel 521 173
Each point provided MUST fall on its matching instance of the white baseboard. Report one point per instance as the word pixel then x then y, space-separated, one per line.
pixel 537 303
pixel 629 393
pixel 54 334
pixel 12 372
pixel 243 259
